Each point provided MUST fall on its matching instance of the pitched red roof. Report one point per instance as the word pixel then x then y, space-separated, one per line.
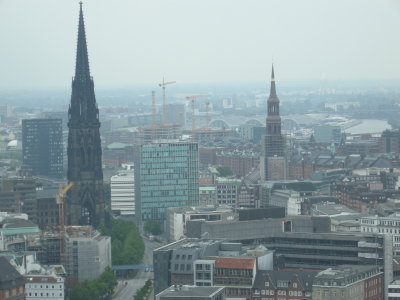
pixel 235 263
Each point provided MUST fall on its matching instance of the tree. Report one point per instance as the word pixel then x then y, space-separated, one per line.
pixel 153 227
pixel 102 287
pixel 224 171
pixel 126 242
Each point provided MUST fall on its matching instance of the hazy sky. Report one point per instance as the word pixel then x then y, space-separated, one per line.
pixel 139 41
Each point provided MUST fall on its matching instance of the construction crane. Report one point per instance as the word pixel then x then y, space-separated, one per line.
pixel 193 100
pixel 61 215
pixel 153 108
pixel 162 85
pixel 207 115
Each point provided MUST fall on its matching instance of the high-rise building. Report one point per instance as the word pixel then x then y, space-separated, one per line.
pixel 166 175
pixel 85 201
pixel 42 146
pixel 123 192
pixel 272 143
pixel 18 195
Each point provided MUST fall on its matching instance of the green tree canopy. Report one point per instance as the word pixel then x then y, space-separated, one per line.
pixel 153 227
pixel 224 171
pixel 126 242
pixel 101 287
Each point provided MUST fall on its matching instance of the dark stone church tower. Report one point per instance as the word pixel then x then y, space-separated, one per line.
pixel 273 164
pixel 85 201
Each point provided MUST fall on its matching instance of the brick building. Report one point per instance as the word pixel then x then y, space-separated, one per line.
pixel 240 162
pixel 283 285
pixel 237 275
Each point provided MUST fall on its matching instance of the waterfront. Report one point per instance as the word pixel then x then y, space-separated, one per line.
pixel 369 126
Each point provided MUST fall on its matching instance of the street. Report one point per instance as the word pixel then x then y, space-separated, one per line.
pixel 127 292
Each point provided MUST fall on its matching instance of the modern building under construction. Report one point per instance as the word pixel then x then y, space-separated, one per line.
pixel 160 132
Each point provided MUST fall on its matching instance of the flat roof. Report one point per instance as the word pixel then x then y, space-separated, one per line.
pixel 179 291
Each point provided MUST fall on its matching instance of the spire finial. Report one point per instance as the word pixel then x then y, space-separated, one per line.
pixel 82 71
pixel 272 93
pixel 272 73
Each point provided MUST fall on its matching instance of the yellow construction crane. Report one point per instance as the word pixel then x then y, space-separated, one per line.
pixel 193 100
pixel 162 85
pixel 61 215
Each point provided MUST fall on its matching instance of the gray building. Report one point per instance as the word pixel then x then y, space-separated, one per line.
pixel 42 146
pixel 174 262
pixel 87 253
pixel 192 293
pixel 327 134
pixel 256 229
pixel 180 263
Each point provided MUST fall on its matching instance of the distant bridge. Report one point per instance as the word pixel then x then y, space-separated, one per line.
pixel 132 267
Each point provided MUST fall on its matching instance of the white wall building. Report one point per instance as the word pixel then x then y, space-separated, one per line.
pixel 42 282
pixel 290 200
pixel 123 192
pixel 389 225
pixel 87 253
pixel 48 287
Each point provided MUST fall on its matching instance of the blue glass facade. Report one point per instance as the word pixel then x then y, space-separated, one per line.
pixel 166 175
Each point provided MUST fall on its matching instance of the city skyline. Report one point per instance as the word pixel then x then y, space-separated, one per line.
pixel 200 42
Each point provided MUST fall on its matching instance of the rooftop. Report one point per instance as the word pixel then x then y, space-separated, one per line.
pixel 346 272
pixel 176 292
pixel 188 243
pixel 235 263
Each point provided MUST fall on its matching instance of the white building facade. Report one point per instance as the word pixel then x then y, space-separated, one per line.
pixel 389 225
pixel 48 287
pixel 88 253
pixel 123 193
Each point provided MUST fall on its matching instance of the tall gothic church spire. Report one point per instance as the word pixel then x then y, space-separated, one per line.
pixel 82 71
pixel 273 162
pixel 272 93
pixel 85 202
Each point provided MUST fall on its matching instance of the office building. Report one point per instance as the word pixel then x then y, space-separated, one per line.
pixel 389 225
pixel 85 201
pixel 18 195
pixel 123 193
pixel 166 175
pixel 349 282
pixel 327 134
pixel 42 146
pixel 394 290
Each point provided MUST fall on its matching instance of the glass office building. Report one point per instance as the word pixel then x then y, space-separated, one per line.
pixel 42 146
pixel 166 175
